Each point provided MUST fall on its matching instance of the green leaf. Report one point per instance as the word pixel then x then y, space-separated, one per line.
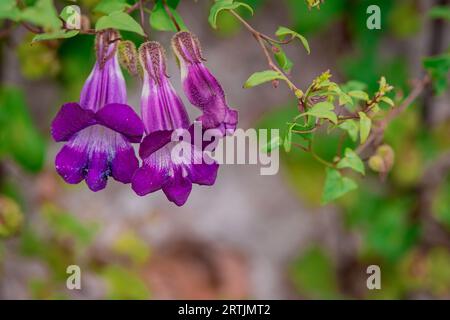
pixel 283 32
pixel 262 77
pixel 42 14
pixel 336 186
pixel 121 21
pixel 365 124
pixel 352 161
pixel 323 110
pixel 438 67
pixel 160 20
pixel 288 139
pixel 358 94
pixel 353 85
pixel 440 12
pixel 388 101
pixel 110 6
pixel 345 99
pixel 61 34
pixel 351 127
pixel 283 61
pixel 9 10
pixel 221 5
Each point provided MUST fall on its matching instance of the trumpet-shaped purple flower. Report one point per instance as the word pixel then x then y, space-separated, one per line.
pixel 100 128
pixel 162 113
pixel 201 87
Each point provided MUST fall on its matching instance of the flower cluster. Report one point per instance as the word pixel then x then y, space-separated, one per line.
pixel 99 130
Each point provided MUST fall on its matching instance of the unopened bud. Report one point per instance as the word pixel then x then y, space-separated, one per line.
pixel 376 163
pixel 388 155
pixel 275 83
pixel 128 56
pixel 383 160
pixel 299 93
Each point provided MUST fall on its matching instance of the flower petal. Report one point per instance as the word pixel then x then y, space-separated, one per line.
pixel 70 119
pixel 153 142
pixel 177 188
pixel 149 178
pixel 204 174
pixel 98 171
pixel 71 163
pixel 124 164
pixel 123 119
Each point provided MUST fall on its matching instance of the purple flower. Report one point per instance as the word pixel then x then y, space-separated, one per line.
pixel 100 128
pixel 163 112
pixel 201 87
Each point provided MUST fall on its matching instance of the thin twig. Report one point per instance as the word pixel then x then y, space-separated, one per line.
pixel 169 13
pixel 260 37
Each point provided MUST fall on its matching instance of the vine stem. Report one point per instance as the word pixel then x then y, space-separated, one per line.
pixel 318 158
pixel 141 14
pixel 260 38
pixel 169 13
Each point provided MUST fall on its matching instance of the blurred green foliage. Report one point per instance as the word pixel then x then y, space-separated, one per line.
pixel 19 138
pixel 314 275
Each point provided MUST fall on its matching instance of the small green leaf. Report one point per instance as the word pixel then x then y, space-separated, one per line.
pixel 336 186
pixel 283 61
pixel 61 34
pixel 283 32
pixel 110 6
pixel 9 10
pixel 440 12
pixel 358 94
pixel 352 161
pixel 121 21
pixel 365 124
pixel 42 14
pixel 288 139
pixel 262 77
pixel 388 101
pixel 160 20
pixel 345 99
pixel 323 110
pixel 351 127
pixel 353 85
pixel 221 5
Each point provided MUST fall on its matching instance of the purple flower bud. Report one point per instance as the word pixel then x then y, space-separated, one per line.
pixel 100 128
pixel 162 113
pixel 201 87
